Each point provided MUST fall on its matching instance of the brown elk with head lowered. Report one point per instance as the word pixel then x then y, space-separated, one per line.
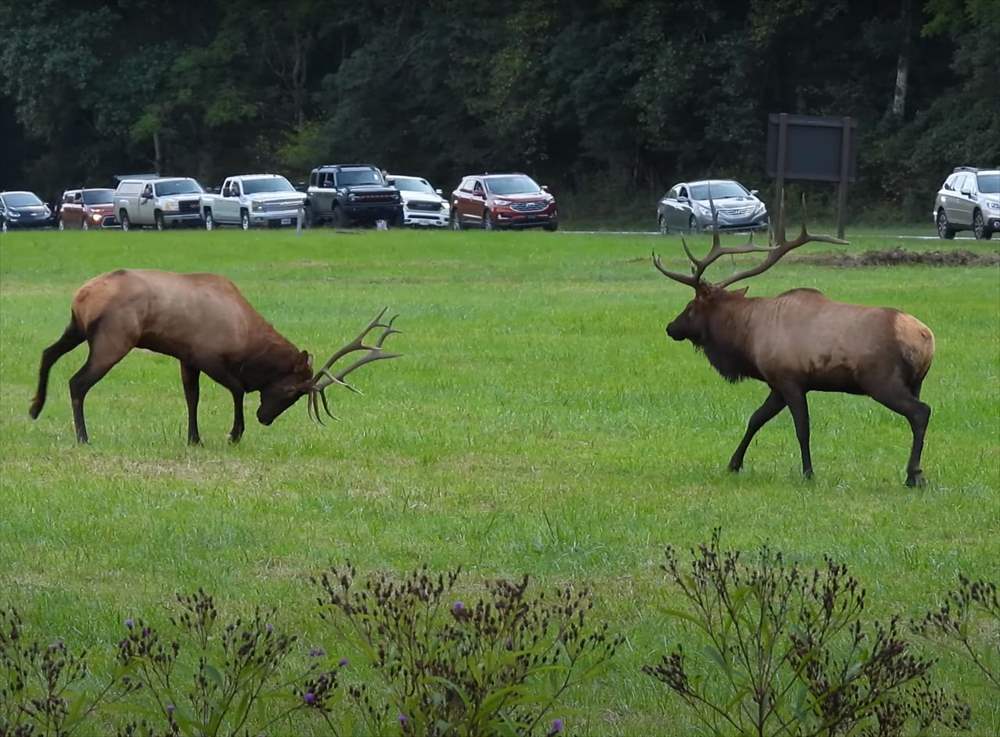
pixel 800 341
pixel 204 322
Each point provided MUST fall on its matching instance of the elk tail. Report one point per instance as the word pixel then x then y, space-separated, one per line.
pixel 72 336
pixel 916 342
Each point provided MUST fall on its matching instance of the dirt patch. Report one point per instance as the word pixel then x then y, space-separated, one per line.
pixel 902 257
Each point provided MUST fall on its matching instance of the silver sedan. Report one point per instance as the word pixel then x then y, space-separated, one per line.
pixel 687 207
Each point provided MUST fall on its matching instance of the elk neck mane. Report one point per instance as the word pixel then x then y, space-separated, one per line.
pixel 725 341
pixel 271 356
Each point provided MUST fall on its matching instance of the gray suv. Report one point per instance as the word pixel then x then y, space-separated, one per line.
pixel 969 199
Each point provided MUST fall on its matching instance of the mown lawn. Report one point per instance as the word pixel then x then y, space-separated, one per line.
pixel 540 422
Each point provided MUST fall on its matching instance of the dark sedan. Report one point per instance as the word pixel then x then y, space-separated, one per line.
pixel 23 210
pixel 688 207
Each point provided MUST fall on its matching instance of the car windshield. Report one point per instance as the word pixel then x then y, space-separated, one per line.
pixel 989 183
pixel 271 184
pixel 718 191
pixel 21 199
pixel 178 186
pixel 408 184
pixel 351 177
pixel 98 196
pixel 517 184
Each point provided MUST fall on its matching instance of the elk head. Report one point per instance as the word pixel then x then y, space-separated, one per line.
pixel 278 396
pixel 692 323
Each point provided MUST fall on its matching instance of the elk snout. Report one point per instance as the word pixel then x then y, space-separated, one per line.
pixel 674 331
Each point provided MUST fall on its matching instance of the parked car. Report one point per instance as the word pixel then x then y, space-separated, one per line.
pixel 87 208
pixel 253 199
pixel 687 206
pixel 491 201
pixel 358 193
pixel 23 210
pixel 969 199
pixel 160 202
pixel 422 204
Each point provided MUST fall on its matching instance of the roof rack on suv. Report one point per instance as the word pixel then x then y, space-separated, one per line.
pixel 965 168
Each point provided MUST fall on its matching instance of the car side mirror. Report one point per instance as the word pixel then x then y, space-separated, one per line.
pixel 967 193
pixel 545 188
pixel 439 192
pixel 755 192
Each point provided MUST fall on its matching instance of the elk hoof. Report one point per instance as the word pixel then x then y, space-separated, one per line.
pixel 916 479
pixel 735 466
pixel 807 473
pixel 36 409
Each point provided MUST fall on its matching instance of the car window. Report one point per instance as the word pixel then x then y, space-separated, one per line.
pixel 22 199
pixel 515 184
pixel 97 196
pixel 683 192
pixel 269 184
pixel 989 183
pixel 477 188
pixel 672 194
pixel 68 197
pixel 326 180
pixel 147 191
pixel 466 185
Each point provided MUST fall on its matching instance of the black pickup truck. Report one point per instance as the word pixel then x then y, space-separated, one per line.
pixel 344 194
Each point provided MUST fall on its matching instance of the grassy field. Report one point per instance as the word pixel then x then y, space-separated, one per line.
pixel 540 422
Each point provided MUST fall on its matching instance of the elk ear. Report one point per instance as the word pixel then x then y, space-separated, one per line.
pixel 306 359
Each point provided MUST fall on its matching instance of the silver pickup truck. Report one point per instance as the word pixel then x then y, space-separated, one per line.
pixel 160 202
pixel 253 199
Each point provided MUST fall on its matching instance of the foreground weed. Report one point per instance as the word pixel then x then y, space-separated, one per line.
pixel 498 665
pixel 44 688
pixel 210 680
pixel 969 623
pixel 788 653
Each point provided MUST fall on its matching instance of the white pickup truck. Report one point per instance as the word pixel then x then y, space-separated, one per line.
pixel 253 199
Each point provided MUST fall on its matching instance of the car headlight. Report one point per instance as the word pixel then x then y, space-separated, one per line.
pixel 993 204
pixel 96 217
pixel 351 197
pixel 170 205
pixel 502 202
pixel 13 214
pixel 445 206
pixel 255 205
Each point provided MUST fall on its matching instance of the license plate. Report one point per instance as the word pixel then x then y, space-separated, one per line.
pixel 286 221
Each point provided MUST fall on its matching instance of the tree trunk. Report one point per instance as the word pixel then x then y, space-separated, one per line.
pixel 903 62
pixel 157 153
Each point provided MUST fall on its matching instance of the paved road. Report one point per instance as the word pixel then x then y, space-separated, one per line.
pixel 656 232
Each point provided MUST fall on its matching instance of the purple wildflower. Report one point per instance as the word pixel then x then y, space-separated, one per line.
pixel 130 623
pixel 170 709
pixel 557 727
pixel 309 697
pixel 317 652
pixel 343 662
pixel 269 627
pixel 458 608
pixel 402 720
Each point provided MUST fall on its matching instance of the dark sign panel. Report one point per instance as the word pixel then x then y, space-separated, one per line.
pixel 813 147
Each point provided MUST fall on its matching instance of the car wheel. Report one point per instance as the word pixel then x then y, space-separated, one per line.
pixel 62 225
pixel 944 230
pixel 664 228
pixel 84 224
pixel 3 226
pixel 692 225
pixel 158 221
pixel 551 227
pixel 456 221
pixel 337 217
pixel 126 223
pixel 488 223
pixel 244 220
pixel 209 220
pixel 979 228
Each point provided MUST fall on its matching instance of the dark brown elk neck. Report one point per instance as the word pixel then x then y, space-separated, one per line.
pixel 727 342
pixel 270 357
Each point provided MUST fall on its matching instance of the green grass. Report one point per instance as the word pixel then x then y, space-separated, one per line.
pixel 540 422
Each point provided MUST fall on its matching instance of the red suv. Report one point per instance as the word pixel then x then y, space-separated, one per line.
pixel 87 208
pixel 491 201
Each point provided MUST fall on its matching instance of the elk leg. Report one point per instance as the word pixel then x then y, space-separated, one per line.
pixel 795 398
pixel 237 432
pixel 71 338
pixel 764 414
pixel 104 354
pixel 189 377
pixel 918 414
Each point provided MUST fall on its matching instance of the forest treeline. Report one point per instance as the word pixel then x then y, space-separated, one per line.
pixel 603 100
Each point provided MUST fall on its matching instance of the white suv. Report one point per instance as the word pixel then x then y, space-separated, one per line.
pixel 422 204
pixel 969 199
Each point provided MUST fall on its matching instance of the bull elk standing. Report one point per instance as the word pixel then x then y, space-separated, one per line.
pixel 800 341
pixel 204 322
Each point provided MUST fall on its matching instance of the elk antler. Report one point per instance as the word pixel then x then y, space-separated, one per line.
pixel 774 251
pixel 717 251
pixel 324 378
pixel 779 249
